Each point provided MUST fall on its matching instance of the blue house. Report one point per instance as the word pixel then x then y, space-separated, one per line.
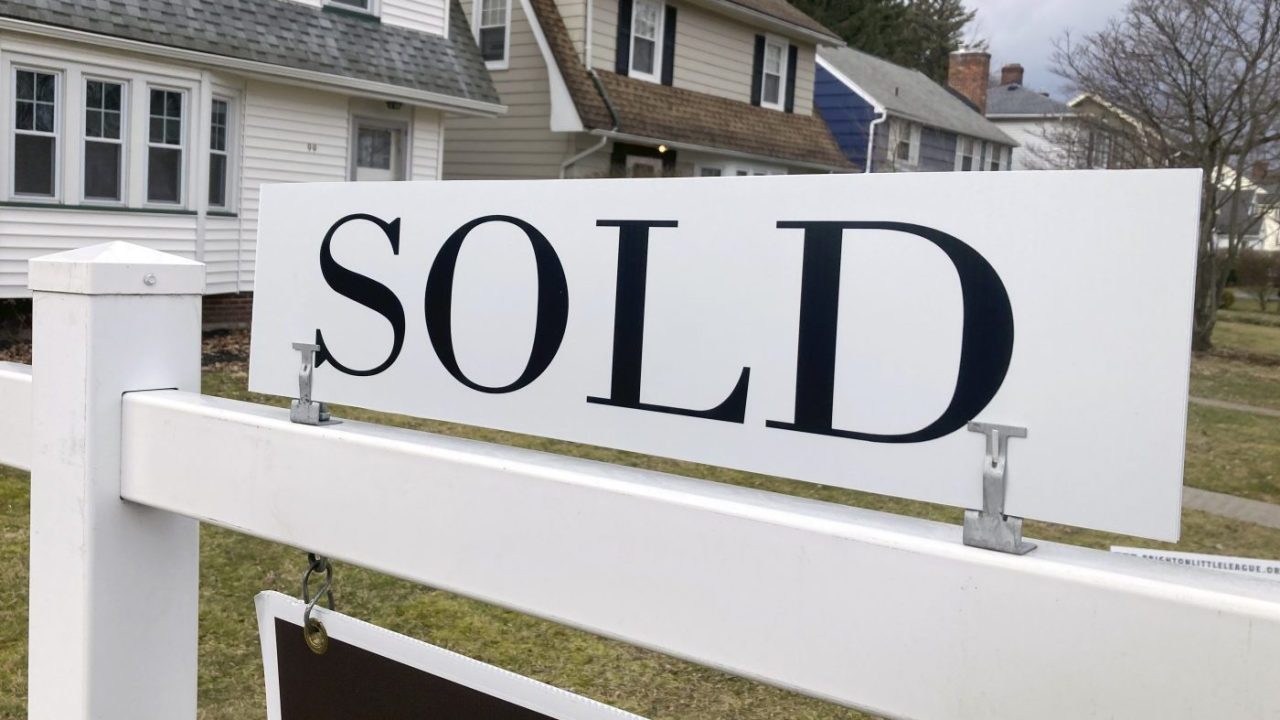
pixel 888 118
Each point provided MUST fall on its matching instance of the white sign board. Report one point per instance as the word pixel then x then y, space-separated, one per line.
pixel 369 672
pixel 1269 569
pixel 838 329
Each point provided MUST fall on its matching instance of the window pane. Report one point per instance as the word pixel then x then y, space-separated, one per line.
pixel 93 123
pixel 44 117
pixel 157 130
pixel 44 87
pixel 111 125
pixel 642 55
pixel 101 171
pixel 26 85
pixel 164 175
pixel 173 104
pixel 172 132
pixel 112 97
pixel 493 43
pixel 773 59
pixel 493 12
pixel 93 94
pixel 34 157
pixel 710 172
pixel 904 151
pixel 374 149
pixel 771 85
pixel 646 20
pixel 26 119
pixel 217 180
pixel 362 4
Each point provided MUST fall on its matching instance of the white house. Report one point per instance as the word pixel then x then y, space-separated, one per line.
pixel 156 121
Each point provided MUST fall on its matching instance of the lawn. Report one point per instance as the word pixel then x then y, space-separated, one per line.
pixel 1227 451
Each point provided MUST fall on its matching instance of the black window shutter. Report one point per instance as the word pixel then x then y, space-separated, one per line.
pixel 790 105
pixel 669 46
pixel 624 37
pixel 757 70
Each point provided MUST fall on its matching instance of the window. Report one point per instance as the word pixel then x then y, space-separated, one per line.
pixel 103 140
pixel 646 34
pixel 35 133
pixel 164 147
pixel 219 141
pixel 710 172
pixel 493 31
pixel 379 150
pixel 996 153
pixel 360 5
pixel 774 70
pixel 968 149
pixel 906 145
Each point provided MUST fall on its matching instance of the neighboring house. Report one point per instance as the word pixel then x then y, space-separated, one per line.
pixel 888 118
pixel 1252 215
pixel 600 88
pixel 156 121
pixel 1040 124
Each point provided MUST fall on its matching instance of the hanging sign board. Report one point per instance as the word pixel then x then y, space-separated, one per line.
pixel 369 672
pixel 1269 569
pixel 838 329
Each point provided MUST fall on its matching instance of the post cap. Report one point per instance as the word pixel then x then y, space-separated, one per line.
pixel 116 268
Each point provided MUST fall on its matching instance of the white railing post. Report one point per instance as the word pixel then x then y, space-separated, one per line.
pixel 114 586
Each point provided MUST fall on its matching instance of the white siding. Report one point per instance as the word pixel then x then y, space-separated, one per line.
pixel 31 232
pixel 574 13
pixel 282 126
pixel 804 79
pixel 428 135
pixel 425 15
pixel 519 144
pixel 221 254
pixel 604 39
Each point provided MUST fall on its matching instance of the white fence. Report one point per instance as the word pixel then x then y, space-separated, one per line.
pixel 891 614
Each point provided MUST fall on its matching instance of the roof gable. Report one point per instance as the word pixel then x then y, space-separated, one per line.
pixel 1015 99
pixel 675 115
pixel 909 94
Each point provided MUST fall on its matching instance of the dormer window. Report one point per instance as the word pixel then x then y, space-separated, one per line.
pixel 364 6
pixel 773 74
pixel 493 32
pixel 646 40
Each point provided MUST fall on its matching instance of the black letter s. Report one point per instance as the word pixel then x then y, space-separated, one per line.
pixel 366 291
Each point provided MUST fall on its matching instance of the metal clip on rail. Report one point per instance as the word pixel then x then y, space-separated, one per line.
pixel 989 527
pixel 304 410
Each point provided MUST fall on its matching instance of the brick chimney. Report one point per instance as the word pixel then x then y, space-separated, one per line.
pixel 1011 74
pixel 968 73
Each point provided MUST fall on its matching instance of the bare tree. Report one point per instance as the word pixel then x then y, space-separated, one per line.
pixel 1199 83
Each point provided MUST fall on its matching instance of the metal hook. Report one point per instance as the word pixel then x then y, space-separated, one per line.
pixel 313 631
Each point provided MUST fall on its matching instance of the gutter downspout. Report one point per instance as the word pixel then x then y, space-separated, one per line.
pixel 871 137
pixel 613 115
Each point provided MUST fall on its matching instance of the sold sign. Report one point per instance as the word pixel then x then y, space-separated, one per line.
pixel 834 329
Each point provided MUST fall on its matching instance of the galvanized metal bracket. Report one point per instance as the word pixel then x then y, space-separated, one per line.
pixel 304 410
pixel 989 527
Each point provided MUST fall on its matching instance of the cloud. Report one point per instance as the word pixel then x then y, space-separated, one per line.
pixel 1023 31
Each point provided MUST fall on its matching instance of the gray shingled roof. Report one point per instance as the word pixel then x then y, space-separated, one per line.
pixel 910 94
pixel 289 34
pixel 1014 99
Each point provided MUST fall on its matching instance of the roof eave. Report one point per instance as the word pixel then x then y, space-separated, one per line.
pixel 680 145
pixel 280 73
pixel 776 24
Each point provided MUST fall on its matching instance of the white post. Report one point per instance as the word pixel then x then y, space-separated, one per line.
pixel 114 586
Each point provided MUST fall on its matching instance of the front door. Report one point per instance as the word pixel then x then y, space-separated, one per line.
pixel 379 152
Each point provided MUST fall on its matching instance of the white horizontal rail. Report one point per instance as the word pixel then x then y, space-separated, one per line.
pixel 15 415
pixel 890 614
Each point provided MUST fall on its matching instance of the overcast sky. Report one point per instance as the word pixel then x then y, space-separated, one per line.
pixel 1022 31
